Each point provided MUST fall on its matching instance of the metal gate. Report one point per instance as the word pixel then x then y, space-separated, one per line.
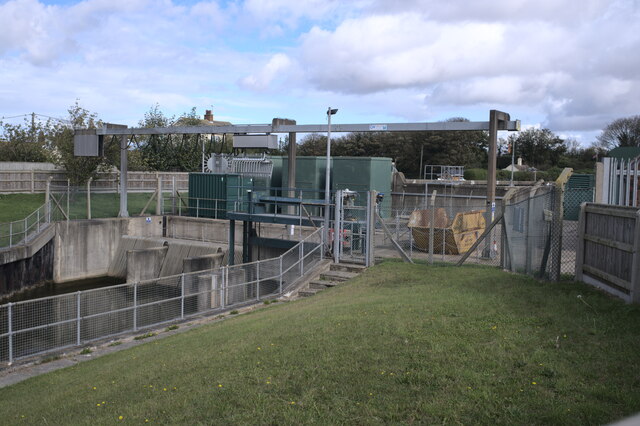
pixel 351 224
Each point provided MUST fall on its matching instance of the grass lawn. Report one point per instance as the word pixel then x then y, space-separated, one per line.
pixel 400 344
pixel 18 206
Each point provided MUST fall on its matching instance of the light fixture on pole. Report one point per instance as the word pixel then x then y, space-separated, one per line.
pixel 327 188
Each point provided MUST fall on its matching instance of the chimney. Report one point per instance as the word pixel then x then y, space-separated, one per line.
pixel 519 160
pixel 208 115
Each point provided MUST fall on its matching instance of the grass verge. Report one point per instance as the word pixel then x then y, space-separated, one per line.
pixel 400 344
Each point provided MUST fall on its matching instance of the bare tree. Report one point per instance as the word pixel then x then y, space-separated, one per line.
pixel 621 132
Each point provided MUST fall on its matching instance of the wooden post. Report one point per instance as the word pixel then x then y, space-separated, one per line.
pixel 634 291
pixel 582 223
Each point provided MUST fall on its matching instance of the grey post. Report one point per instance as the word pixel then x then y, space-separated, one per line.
pixel 135 306
pixel 159 197
pixel 258 281
pixel 182 296
pixel 281 274
pixel 327 179
pixel 47 200
pixel 78 341
pixel 89 198
pixel 68 196
pixel 10 234
pixel 433 224
pixel 371 228
pixel 124 211
pixel 10 330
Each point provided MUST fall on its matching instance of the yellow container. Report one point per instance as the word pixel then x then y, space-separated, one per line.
pixel 457 235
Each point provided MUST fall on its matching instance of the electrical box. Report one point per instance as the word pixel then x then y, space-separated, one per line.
pixel 255 141
pixel 87 144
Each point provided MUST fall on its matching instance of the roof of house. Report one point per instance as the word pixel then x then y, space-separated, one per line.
pixel 625 152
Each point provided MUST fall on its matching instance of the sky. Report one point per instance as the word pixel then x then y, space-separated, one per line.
pixel 568 65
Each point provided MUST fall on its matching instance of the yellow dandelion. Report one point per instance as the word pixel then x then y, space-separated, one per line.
pixel 382 372
pixel 259 348
pixel 175 388
pixel 268 382
pixel 146 420
pixel 164 389
pixel 94 388
pixel 293 403
pixel 469 387
pixel 219 385
pixel 120 417
pixel 98 404
pixel 534 383
pixel 494 327
pixel 103 402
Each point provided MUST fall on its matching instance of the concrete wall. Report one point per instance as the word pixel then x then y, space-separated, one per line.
pixel 145 264
pixel 85 248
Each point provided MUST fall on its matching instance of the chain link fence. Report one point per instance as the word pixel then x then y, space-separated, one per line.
pixel 70 320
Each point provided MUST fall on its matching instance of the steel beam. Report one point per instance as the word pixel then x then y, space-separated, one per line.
pixel 510 125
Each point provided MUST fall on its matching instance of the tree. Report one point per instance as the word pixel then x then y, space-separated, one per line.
pixel 539 148
pixel 23 142
pixel 621 132
pixel 60 135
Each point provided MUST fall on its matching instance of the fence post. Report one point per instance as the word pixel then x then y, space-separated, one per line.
pixel 24 230
pixel 47 200
pixel 556 224
pixel 159 198
pixel 281 272
pixel 225 277
pixel 68 196
pixel 78 341
pixel 10 330
pixel 634 293
pixel 89 198
pixel 580 247
pixel 432 203
pixel 38 220
pixel 258 281
pixel 301 258
pixel 135 306
pixel 181 296
pixel 10 234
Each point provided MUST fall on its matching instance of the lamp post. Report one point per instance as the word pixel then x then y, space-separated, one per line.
pixel 513 154
pixel 327 188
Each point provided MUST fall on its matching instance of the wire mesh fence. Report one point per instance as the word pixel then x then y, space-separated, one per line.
pixel 439 229
pixel 70 320
pixel 21 231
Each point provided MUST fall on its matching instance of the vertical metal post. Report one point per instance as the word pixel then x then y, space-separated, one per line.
pixel 47 200
pixel 10 330
pixel 89 198
pixel 173 191
pixel 258 281
pixel 281 273
pixel 68 197
pixel 124 212
pixel 181 296
pixel 300 258
pixel 337 226
pixel 159 197
pixel 24 230
pixel 432 227
pixel 10 234
pixel 198 207
pixel 38 220
pixel 135 306
pixel 78 341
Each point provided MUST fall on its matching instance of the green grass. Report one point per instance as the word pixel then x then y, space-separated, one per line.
pixel 400 344
pixel 17 206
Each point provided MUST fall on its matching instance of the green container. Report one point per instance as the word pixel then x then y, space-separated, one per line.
pixel 310 176
pixel 363 174
pixel 212 195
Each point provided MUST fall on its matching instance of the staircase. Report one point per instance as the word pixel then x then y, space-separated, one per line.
pixel 337 274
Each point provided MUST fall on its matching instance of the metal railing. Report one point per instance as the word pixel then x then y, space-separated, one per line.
pixel 20 231
pixel 53 323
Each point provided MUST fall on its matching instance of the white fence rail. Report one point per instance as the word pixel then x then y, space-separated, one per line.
pixel 53 323
pixel 20 231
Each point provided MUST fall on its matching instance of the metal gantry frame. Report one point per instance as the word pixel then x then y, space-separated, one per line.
pixel 498 120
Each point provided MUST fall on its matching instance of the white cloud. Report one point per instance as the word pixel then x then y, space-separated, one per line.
pixel 277 65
